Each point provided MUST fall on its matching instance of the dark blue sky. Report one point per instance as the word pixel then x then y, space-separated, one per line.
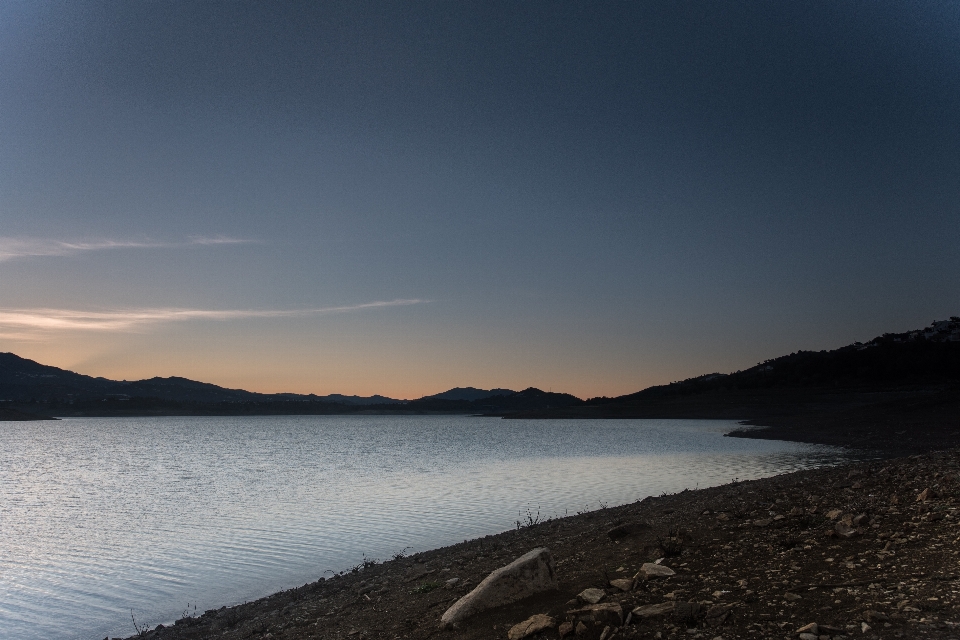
pixel 584 197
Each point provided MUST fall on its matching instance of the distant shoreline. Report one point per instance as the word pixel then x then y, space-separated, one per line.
pixel 891 423
pixel 13 415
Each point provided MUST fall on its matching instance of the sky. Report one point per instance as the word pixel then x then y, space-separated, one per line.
pixel 400 198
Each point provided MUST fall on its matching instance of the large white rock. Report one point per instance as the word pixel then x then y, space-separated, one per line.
pixel 531 573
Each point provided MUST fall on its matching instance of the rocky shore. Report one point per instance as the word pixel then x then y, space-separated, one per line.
pixel 868 550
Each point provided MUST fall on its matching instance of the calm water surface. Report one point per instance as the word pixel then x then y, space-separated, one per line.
pixel 101 516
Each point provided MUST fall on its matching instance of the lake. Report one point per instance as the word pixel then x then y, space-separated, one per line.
pixel 101 516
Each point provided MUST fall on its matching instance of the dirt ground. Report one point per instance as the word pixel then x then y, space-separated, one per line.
pixel 868 550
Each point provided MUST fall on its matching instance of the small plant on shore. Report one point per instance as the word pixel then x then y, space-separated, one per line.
pixel 427 587
pixel 186 612
pixel 672 544
pixel 530 520
pixel 366 564
pixel 400 555
pixel 140 628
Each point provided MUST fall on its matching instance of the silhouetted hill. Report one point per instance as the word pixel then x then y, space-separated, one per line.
pixel 923 357
pixel 29 385
pixel 527 400
pixel 185 390
pixel 357 400
pixel 22 379
pixel 898 390
pixel 468 393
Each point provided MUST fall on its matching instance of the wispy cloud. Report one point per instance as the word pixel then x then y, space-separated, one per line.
pixel 19 336
pixel 51 320
pixel 12 248
pixel 206 240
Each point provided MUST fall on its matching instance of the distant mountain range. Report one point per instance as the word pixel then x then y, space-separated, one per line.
pixel 889 367
pixel 28 386
pixel 23 380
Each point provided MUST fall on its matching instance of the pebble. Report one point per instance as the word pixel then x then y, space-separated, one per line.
pixel 605 613
pixel 809 628
pixel 530 626
pixel 623 584
pixel 593 596
pixel 652 610
pixel 652 570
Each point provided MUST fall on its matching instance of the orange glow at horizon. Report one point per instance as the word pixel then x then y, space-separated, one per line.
pixel 395 373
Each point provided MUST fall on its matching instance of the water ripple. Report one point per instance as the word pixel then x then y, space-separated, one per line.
pixel 101 516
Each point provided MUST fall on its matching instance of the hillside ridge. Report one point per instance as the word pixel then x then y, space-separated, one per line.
pixel 920 366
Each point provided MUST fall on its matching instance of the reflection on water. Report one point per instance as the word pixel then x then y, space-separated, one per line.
pixel 98 516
